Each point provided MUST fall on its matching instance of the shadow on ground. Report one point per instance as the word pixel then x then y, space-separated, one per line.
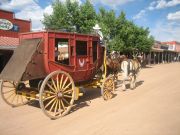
pixel 84 101
pixel 89 95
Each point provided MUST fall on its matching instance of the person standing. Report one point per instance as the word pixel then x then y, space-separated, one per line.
pixel 97 31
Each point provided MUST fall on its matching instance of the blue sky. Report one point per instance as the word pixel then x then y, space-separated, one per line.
pixel 162 17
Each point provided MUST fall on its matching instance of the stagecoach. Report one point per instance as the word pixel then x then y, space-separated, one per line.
pixel 52 67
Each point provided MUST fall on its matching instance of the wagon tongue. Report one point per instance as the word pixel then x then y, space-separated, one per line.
pixel 17 64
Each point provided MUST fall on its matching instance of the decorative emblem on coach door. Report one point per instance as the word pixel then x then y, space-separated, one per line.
pixel 81 63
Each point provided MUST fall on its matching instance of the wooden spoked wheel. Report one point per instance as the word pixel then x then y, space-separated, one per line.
pixel 107 88
pixel 11 92
pixel 57 94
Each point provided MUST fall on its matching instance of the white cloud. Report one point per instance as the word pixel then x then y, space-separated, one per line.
pixel 16 4
pixel 48 10
pixel 166 31
pixel 159 4
pixel 163 4
pixel 111 3
pixel 174 16
pixel 139 15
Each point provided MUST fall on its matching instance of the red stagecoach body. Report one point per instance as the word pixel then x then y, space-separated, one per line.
pixel 84 55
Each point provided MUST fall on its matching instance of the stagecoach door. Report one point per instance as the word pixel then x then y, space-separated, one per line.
pixel 81 55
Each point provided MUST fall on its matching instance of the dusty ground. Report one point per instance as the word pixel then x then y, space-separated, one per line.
pixel 153 108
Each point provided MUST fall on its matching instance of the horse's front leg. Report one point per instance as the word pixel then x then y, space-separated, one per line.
pixel 133 81
pixel 124 81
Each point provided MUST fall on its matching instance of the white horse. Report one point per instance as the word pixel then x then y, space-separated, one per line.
pixel 130 68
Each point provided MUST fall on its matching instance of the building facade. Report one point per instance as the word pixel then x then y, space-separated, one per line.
pixel 10 27
pixel 164 52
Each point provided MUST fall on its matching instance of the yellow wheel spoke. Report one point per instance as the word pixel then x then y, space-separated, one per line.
pixel 64 82
pixel 67 96
pixel 8 91
pixel 8 86
pixel 50 103
pixel 59 110
pixel 51 87
pixel 67 86
pixel 65 101
pixel 49 92
pixel 57 78
pixel 54 84
pixel 60 86
pixel 56 107
pixel 63 105
pixel 13 99
pixel 10 95
pixel 67 91
pixel 53 105
pixel 48 98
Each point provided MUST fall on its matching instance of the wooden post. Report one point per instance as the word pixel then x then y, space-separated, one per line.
pixel 162 58
pixel 149 61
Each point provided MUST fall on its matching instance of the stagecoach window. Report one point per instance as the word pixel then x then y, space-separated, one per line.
pixel 94 51
pixel 81 48
pixel 61 51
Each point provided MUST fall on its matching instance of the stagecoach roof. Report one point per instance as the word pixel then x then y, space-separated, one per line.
pixel 59 31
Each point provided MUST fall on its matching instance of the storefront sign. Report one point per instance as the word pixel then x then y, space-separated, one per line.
pixel 5 24
pixel 171 47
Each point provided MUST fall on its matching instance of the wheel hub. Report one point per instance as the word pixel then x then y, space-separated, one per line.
pixel 59 94
pixel 20 86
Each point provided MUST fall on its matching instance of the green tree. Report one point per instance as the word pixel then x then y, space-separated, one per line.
pixel 106 20
pixel 87 17
pixel 73 9
pixel 129 38
pixel 71 16
pixel 57 20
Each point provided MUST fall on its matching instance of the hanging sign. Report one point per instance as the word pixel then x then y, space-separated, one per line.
pixel 5 24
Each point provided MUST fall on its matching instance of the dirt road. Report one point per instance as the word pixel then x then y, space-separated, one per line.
pixel 153 108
